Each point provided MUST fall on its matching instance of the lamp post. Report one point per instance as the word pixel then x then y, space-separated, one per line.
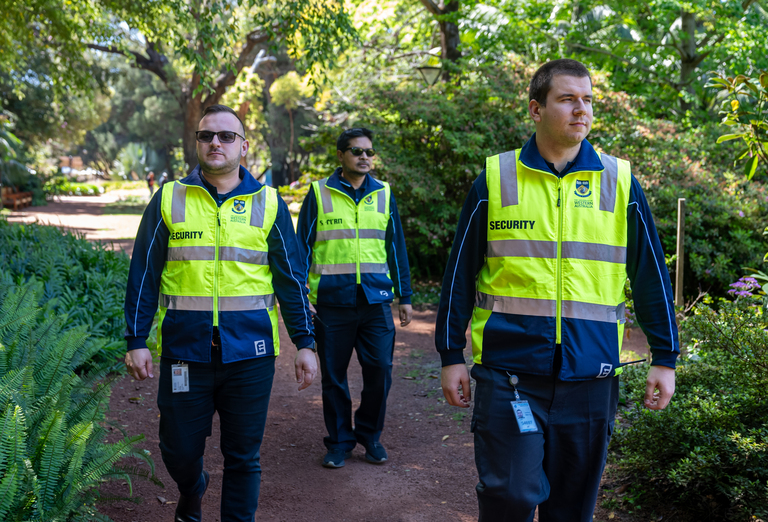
pixel 429 74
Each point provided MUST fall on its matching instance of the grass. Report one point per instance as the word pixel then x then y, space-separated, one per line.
pixel 127 205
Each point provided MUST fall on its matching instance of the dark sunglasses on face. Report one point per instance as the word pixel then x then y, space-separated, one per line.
pixel 357 151
pixel 224 136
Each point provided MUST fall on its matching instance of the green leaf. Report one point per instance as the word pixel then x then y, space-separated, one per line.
pixel 728 137
pixel 751 167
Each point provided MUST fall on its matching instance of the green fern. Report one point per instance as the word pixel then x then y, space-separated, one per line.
pixel 53 450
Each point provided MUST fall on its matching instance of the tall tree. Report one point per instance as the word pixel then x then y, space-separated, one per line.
pixel 450 39
pixel 195 47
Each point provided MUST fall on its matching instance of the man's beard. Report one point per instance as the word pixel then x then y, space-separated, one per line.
pixel 226 168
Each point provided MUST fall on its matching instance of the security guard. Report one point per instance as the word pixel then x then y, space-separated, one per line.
pixel 354 250
pixel 545 242
pixel 215 249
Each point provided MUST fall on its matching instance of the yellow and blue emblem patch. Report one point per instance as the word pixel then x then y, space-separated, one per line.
pixel 239 207
pixel 582 188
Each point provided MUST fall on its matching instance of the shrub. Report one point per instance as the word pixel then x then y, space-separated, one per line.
pixel 708 451
pixel 53 454
pixel 61 186
pixel 81 279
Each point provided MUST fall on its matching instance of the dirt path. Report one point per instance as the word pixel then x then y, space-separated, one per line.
pixel 430 476
pixel 85 214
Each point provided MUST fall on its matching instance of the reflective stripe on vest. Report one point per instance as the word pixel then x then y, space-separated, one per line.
pixel 208 267
pixel 350 238
pixel 556 246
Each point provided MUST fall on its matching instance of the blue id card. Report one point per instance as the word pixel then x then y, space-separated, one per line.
pixel 524 416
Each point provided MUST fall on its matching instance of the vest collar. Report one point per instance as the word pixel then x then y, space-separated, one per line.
pixel 587 159
pixel 248 184
pixel 370 184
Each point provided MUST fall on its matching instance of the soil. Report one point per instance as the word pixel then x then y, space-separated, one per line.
pixel 430 475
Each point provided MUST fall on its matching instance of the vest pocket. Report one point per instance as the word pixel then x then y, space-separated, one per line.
pixel 246 335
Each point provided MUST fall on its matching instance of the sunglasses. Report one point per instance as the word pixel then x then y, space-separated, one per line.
pixel 357 151
pixel 224 136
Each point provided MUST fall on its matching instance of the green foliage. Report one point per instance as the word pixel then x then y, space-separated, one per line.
pixel 53 450
pixel 707 452
pixel 431 145
pixel 749 121
pixel 725 214
pixel 61 186
pixel 81 279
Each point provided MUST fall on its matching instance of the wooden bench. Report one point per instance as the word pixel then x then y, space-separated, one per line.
pixel 12 198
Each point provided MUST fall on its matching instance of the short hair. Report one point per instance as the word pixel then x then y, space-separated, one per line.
pixel 212 109
pixel 541 83
pixel 345 137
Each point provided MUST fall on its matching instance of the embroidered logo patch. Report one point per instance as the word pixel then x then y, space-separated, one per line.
pixel 582 188
pixel 239 207
pixel 369 200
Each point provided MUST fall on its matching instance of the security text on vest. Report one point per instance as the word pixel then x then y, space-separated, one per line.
pixel 512 224
pixel 186 235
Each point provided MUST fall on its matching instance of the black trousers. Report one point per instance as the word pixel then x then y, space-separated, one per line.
pixel 370 330
pixel 558 467
pixel 240 392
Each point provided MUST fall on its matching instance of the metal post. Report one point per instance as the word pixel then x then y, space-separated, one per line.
pixel 680 252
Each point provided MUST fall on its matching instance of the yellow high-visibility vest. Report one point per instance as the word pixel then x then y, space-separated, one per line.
pixel 350 246
pixel 217 263
pixel 556 256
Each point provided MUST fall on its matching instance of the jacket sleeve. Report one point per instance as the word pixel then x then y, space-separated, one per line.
pixel 306 231
pixel 397 257
pixel 147 262
pixel 288 277
pixel 466 260
pixel 649 279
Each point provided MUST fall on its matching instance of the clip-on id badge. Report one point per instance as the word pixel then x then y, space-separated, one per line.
pixel 522 409
pixel 180 377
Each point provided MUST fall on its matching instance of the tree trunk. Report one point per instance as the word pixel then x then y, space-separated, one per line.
pixel 689 58
pixel 449 38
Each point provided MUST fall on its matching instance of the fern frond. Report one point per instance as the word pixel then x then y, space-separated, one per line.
pixel 50 461
pixel 9 486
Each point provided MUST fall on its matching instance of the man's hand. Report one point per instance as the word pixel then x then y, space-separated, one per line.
pixel 451 378
pixel 139 364
pixel 306 367
pixel 406 314
pixel 659 387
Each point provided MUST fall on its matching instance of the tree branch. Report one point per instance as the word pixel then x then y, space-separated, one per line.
pixel 154 62
pixel 432 7
pixel 228 77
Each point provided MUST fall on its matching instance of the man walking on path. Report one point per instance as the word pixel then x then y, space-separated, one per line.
pixel 215 249
pixel 545 242
pixel 354 250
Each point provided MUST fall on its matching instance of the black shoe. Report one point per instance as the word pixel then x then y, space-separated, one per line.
pixel 375 453
pixel 190 509
pixel 335 458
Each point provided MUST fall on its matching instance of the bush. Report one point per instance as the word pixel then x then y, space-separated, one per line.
pixel 707 453
pixel 81 279
pixel 61 186
pixel 433 144
pixel 53 454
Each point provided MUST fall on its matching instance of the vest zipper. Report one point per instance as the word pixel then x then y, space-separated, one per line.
pixel 357 244
pixel 559 275
pixel 216 271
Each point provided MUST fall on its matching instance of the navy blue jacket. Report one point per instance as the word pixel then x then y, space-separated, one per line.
pixel 397 257
pixel 148 261
pixel 647 272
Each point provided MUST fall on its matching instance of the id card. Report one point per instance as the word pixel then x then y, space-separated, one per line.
pixel 180 377
pixel 524 416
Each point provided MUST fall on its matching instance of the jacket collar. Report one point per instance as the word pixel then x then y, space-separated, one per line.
pixel 370 184
pixel 248 184
pixel 587 159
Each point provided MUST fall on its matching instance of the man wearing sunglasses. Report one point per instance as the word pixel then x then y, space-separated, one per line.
pixel 354 251
pixel 216 249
